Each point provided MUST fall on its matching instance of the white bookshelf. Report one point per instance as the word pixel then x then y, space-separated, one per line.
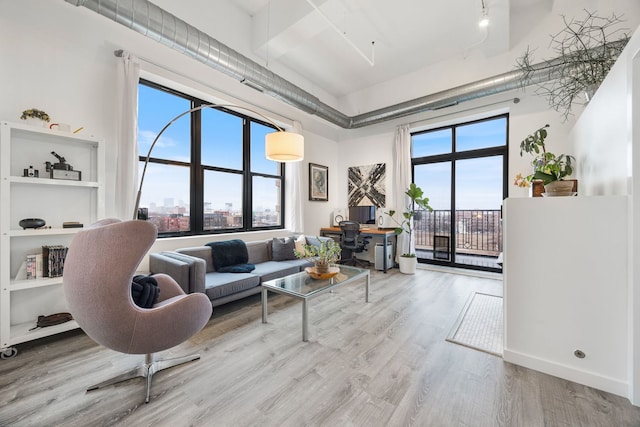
pixel 55 201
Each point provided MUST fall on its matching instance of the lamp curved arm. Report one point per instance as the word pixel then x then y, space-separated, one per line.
pixel 191 110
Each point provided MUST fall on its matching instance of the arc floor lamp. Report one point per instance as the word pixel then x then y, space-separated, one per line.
pixel 280 146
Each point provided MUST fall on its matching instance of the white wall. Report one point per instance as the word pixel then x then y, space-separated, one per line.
pixel 566 288
pixel 604 139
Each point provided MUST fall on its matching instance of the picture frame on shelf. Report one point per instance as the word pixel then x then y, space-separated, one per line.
pixel 318 183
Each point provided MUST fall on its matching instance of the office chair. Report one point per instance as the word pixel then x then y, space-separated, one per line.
pixel 352 242
pixel 98 270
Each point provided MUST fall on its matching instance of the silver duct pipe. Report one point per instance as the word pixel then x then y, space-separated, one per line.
pixel 148 19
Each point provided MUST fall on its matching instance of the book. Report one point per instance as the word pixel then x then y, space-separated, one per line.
pixel 31 267
pixel 53 260
pixel 72 224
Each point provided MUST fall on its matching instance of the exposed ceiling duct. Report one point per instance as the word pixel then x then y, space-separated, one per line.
pixel 148 19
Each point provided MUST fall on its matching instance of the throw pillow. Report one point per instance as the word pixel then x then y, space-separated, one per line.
pixel 240 268
pixel 144 291
pixel 300 242
pixel 313 241
pixel 282 249
pixel 228 252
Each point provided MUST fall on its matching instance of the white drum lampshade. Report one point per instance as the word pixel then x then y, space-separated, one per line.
pixel 284 146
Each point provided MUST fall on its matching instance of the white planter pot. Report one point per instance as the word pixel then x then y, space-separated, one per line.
pixel 33 121
pixel 408 264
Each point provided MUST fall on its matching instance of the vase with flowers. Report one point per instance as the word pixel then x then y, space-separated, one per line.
pixel 549 169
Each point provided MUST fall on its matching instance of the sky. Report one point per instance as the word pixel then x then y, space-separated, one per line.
pixel 478 181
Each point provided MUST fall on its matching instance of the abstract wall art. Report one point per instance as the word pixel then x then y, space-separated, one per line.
pixel 367 185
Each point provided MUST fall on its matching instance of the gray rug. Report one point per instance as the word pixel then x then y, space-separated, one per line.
pixel 480 324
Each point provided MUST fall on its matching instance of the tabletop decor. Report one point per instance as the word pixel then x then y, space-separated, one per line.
pixel 35 117
pixel 323 254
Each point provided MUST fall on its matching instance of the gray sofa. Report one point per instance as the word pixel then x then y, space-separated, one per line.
pixel 193 268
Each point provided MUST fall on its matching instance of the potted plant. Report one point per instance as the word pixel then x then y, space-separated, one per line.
pixel 417 203
pixel 585 50
pixel 322 255
pixel 548 167
pixel 35 117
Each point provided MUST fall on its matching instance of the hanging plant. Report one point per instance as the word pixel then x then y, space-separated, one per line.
pixel 586 49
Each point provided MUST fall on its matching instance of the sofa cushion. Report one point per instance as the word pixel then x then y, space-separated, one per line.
pixel 282 249
pixel 299 263
pixel 273 269
pixel 220 285
pixel 228 252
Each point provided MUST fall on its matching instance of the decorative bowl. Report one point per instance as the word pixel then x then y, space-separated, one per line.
pixel 31 223
pixel 311 271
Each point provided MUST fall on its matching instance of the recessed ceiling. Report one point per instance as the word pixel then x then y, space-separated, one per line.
pixel 331 47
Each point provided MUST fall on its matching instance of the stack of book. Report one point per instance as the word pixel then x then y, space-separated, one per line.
pixel 53 260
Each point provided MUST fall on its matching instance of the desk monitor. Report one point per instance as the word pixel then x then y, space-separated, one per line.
pixel 363 214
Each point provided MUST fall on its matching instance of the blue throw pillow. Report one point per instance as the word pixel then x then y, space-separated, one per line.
pixel 239 268
pixel 228 252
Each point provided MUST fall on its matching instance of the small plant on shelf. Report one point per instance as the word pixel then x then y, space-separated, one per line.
pixel 34 113
pixel 547 167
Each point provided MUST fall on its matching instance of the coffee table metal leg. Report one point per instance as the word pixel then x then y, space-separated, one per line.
pixel 264 305
pixel 305 321
pixel 366 299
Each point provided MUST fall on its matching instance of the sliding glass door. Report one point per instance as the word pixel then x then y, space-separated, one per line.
pixel 462 169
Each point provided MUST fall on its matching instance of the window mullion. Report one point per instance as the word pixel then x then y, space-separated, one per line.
pixel 197 174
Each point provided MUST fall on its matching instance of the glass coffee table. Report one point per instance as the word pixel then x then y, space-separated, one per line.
pixel 303 287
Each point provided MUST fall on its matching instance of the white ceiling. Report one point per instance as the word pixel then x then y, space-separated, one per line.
pixel 408 34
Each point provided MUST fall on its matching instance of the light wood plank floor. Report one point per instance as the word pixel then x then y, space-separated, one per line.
pixel 385 363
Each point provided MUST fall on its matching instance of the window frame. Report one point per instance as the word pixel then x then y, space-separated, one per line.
pixel 453 157
pixel 197 170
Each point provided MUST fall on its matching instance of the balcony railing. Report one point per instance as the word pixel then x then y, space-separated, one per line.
pixel 477 232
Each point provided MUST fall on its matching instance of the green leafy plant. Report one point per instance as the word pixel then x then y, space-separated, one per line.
pixel 414 208
pixel 35 113
pixel 328 252
pixel 585 50
pixel 547 166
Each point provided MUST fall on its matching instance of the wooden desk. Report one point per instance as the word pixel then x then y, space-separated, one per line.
pixel 372 231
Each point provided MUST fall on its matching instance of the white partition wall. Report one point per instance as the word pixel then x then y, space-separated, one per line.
pixel 566 288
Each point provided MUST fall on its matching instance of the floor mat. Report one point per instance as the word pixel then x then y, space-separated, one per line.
pixel 480 324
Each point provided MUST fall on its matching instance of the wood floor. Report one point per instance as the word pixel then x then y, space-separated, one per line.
pixel 385 363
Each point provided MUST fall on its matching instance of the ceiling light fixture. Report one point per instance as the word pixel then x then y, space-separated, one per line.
pixel 484 18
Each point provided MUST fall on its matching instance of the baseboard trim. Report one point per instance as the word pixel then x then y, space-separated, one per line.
pixel 590 379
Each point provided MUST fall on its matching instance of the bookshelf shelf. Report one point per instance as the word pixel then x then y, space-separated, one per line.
pixel 44 232
pixel 19 285
pixel 20 332
pixel 56 201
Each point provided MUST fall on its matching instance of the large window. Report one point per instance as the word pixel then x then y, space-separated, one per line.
pixel 462 169
pixel 208 172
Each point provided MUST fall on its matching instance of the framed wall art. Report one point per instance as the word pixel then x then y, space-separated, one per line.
pixel 366 185
pixel 318 183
